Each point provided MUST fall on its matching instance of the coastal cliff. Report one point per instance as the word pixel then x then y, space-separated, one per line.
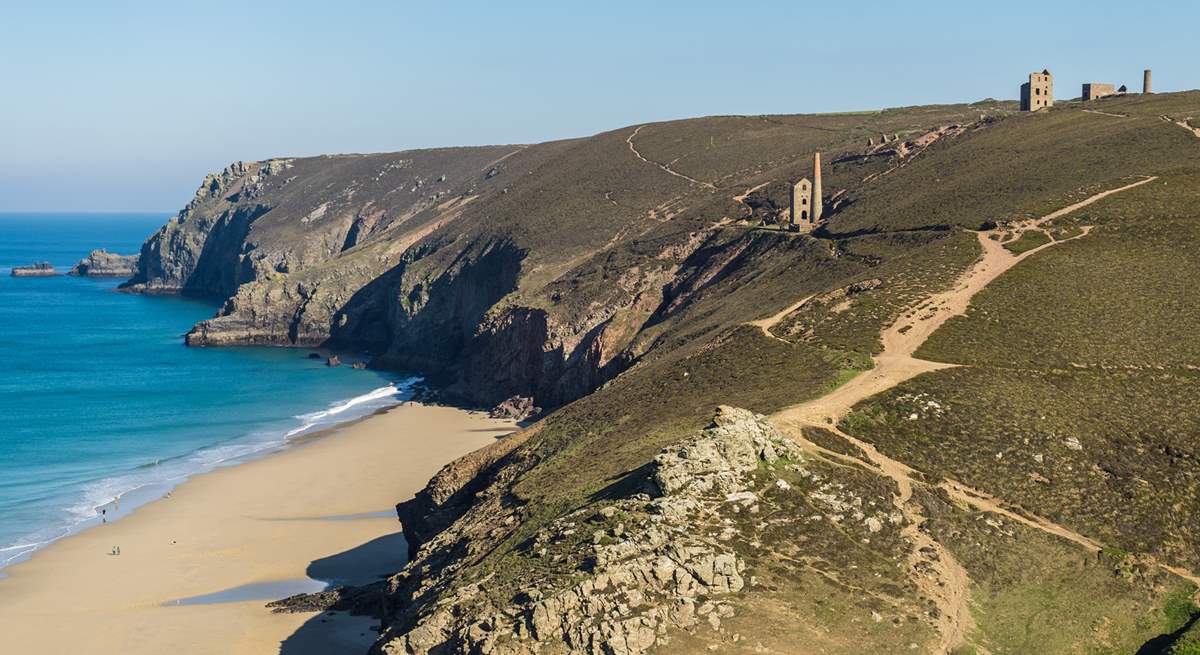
pixel 405 255
pixel 501 272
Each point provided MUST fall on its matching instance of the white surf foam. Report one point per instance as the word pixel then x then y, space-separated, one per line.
pixel 363 405
pixel 116 496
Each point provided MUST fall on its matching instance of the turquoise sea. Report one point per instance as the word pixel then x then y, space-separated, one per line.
pixel 100 400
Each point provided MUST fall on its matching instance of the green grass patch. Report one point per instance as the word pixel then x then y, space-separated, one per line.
pixel 1187 643
pixel 843 376
pixel 1028 241
pixel 1180 607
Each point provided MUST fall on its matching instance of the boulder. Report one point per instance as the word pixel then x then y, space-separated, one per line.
pixel 517 408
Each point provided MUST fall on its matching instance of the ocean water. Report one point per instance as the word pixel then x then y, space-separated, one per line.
pixel 102 407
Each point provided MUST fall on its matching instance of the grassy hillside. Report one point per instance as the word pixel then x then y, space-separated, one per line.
pixel 1075 400
pixel 1093 341
pixel 614 279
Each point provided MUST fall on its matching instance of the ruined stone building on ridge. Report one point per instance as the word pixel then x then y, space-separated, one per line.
pixel 807 201
pixel 1096 90
pixel 1038 92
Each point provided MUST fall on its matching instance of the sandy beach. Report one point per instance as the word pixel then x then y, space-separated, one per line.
pixel 323 508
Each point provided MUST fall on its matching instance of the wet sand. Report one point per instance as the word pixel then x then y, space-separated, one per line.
pixel 224 540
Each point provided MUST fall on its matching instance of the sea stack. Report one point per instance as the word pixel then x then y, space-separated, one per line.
pixel 39 269
pixel 101 263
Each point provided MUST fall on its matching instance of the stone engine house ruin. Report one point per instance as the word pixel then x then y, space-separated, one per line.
pixel 1038 92
pixel 807 201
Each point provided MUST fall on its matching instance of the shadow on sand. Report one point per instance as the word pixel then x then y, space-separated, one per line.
pixel 335 633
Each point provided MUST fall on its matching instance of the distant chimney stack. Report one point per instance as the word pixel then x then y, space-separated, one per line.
pixel 1146 82
pixel 818 200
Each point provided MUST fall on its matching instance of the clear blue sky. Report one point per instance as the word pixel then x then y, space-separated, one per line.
pixel 124 106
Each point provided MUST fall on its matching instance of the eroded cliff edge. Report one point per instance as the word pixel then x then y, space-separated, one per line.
pixel 536 272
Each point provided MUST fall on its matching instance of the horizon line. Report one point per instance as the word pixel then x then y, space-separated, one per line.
pixel 6 212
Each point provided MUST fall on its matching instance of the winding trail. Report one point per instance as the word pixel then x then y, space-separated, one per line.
pixel 1185 125
pixel 765 324
pixel 932 567
pixel 741 197
pixel 664 167
pixel 1105 113
pixel 494 162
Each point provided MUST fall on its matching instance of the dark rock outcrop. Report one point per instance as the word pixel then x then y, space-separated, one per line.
pixel 101 263
pixel 517 407
pixel 451 492
pixel 363 601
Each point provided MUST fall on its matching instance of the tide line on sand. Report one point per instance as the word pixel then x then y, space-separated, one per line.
pixel 116 496
pixel 234 527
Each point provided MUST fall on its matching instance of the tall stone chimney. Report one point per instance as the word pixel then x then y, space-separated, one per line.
pixel 818 202
pixel 1146 81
